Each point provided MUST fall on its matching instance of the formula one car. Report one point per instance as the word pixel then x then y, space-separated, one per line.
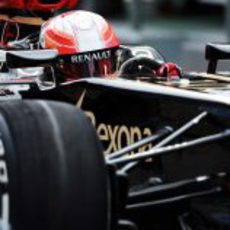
pixel 154 156
pixel 165 143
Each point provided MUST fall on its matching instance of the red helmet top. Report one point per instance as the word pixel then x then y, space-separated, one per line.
pixel 85 40
pixel 76 32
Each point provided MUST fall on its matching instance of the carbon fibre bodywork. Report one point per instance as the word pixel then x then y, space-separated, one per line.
pixel 123 112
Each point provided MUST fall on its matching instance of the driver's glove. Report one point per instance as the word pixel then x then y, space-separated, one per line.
pixel 169 70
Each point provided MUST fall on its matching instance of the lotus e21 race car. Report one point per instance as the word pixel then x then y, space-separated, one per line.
pixel 148 152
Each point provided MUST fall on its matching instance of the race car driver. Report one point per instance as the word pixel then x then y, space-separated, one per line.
pixel 88 46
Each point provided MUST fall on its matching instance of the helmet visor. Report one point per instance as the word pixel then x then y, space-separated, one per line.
pixel 100 63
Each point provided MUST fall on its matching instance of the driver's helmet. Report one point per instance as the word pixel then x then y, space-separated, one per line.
pixel 86 43
pixel 38 5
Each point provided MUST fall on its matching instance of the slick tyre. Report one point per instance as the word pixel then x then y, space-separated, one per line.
pixel 52 171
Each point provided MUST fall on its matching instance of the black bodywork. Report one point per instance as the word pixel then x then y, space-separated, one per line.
pixel 162 190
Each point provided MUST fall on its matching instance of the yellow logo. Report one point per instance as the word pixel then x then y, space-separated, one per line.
pixel 116 137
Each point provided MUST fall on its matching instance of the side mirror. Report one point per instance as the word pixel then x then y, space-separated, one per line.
pixel 42 76
pixel 31 66
pixel 47 80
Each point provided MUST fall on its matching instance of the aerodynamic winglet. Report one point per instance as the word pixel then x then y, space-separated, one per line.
pixel 33 58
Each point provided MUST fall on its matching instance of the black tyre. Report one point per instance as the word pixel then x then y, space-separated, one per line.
pixel 52 171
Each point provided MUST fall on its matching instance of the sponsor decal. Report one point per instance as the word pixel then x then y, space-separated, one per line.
pixel 119 136
pixel 87 57
pixel 116 136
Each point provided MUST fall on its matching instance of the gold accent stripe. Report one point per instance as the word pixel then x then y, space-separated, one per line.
pixel 216 77
pixel 34 21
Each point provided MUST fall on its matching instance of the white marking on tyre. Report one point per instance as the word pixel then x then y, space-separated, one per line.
pixel 2 149
pixel 3 173
pixel 5 198
pixel 5 212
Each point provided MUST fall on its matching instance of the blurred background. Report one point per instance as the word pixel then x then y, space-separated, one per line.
pixel 179 29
